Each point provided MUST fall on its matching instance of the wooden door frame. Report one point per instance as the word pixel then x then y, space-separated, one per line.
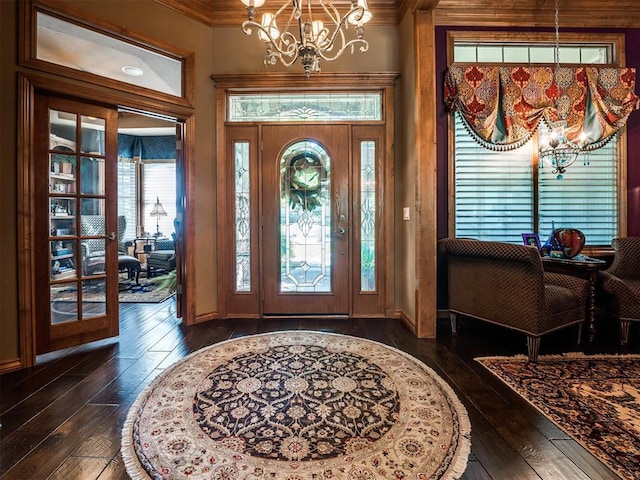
pixel 28 84
pixel 285 83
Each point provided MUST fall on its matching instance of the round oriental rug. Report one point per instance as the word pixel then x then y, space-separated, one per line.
pixel 297 406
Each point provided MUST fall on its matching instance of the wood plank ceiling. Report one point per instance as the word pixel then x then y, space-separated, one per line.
pixel 534 13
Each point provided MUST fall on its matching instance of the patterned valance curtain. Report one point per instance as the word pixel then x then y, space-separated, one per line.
pixel 502 106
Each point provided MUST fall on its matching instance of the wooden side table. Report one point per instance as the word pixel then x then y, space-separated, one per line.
pixel 585 268
pixel 143 246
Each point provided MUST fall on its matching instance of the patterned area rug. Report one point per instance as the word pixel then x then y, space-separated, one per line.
pixel 595 399
pixel 147 291
pixel 297 406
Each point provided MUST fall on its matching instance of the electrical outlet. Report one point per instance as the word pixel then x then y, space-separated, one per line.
pixel 406 213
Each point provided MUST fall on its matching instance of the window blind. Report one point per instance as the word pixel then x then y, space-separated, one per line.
pixel 159 182
pixel 127 196
pixel 494 193
pixel 586 198
pixel 493 190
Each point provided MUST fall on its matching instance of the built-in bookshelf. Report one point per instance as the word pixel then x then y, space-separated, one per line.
pixel 62 207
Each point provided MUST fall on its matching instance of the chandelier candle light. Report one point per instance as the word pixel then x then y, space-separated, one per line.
pixel 315 40
pixel 555 149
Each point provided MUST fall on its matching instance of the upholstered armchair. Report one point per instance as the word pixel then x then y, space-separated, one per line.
pixel 94 225
pixel 93 248
pixel 163 257
pixel 621 284
pixel 505 284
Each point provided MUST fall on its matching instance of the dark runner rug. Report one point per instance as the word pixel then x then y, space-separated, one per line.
pixel 595 399
pixel 297 406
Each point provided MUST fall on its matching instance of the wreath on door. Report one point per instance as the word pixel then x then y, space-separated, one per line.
pixel 304 180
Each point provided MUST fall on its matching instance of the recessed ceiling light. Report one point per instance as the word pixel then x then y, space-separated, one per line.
pixel 133 71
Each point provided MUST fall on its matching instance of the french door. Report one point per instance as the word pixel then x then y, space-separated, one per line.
pixel 76 224
pixel 306 219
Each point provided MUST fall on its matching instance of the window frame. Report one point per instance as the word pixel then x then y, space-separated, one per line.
pixel 27 51
pixel 616 40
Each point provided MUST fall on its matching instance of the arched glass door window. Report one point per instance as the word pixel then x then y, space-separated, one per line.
pixel 305 218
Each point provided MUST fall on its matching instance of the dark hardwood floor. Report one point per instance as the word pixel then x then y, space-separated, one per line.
pixel 62 419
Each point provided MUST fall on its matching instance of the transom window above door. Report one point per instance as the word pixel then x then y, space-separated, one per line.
pixel 274 107
pixel 101 54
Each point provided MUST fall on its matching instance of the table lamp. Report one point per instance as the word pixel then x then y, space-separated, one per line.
pixel 158 211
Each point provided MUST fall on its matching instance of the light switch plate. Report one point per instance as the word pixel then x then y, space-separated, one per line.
pixel 406 213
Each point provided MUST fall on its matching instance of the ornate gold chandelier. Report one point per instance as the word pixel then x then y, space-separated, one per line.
pixel 324 37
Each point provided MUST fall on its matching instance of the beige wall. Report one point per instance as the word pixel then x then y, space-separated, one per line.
pixel 236 52
pixel 224 50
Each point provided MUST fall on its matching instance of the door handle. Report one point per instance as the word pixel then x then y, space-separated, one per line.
pixel 111 236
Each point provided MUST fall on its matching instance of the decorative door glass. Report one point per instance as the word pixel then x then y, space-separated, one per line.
pixel 305 219
pixel 243 216
pixel 367 216
pixel 76 217
pixel 304 107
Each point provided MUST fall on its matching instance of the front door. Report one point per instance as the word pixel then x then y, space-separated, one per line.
pixel 76 225
pixel 305 219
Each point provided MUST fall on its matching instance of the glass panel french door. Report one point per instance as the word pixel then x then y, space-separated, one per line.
pixel 76 265
pixel 306 222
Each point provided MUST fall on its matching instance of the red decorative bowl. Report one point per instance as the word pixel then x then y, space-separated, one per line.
pixel 571 240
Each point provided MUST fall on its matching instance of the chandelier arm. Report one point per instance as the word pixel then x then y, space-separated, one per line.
pixel 330 42
pixel 351 43
pixel 286 38
pixel 284 7
pixel 339 31
pixel 292 20
pixel 357 12
pixel 332 12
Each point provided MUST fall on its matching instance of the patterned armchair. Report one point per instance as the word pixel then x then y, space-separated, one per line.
pixel 93 248
pixel 505 284
pixel 94 225
pixel 621 284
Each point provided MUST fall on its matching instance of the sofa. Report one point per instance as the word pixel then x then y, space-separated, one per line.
pixel 505 284
pixel 621 284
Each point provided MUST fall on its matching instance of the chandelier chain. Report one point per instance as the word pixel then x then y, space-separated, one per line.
pixel 556 51
pixel 555 149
